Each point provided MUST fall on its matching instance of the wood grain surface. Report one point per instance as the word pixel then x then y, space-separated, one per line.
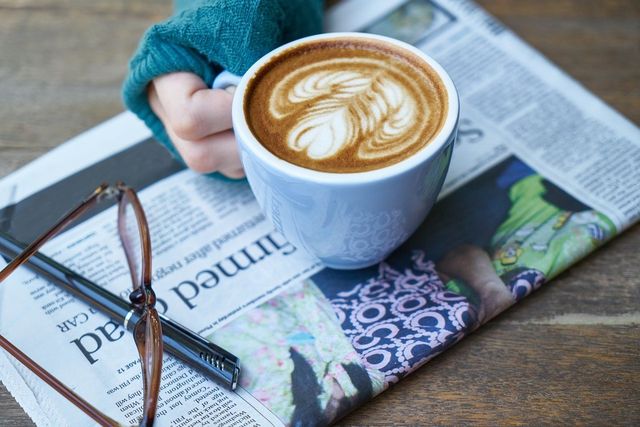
pixel 569 354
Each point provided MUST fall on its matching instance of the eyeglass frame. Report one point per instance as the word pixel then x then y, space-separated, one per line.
pixel 147 331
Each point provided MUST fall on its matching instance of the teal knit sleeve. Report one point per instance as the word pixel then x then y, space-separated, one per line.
pixel 206 36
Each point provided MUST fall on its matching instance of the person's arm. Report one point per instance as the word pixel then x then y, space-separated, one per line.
pixel 178 59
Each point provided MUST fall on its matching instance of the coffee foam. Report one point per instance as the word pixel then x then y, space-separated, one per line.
pixel 346 107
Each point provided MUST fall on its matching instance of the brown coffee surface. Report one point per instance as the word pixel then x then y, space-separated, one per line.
pixel 345 105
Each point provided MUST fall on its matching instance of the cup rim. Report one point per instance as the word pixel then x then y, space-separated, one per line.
pixel 246 138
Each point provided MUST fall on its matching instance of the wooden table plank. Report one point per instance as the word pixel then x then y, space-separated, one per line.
pixel 568 354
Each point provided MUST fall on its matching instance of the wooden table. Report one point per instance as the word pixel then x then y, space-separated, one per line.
pixel 569 354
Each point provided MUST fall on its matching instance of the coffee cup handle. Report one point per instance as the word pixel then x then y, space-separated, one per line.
pixel 225 79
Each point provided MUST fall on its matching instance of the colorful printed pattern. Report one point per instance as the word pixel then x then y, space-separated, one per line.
pixel 540 236
pixel 399 320
pixel 297 361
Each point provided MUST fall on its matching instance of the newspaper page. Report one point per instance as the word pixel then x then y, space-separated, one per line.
pixel 543 173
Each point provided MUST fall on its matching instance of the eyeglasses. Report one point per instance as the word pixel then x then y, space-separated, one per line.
pixel 147 333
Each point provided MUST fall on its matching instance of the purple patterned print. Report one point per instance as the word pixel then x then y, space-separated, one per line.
pixel 400 319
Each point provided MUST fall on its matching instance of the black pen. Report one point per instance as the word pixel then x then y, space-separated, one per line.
pixel 182 343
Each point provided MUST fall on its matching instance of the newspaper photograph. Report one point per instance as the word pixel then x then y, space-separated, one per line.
pixel 542 174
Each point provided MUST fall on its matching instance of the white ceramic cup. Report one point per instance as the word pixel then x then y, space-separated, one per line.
pixel 347 220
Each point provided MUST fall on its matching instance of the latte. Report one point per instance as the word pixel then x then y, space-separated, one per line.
pixel 345 105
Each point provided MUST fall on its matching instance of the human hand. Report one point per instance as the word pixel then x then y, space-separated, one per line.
pixel 198 121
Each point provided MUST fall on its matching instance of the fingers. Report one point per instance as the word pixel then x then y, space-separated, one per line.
pixel 217 152
pixel 198 121
pixel 192 110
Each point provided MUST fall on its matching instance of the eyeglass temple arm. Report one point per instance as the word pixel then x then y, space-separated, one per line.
pixel 28 252
pixel 45 376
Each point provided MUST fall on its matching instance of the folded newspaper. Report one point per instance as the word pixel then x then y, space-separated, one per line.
pixel 542 174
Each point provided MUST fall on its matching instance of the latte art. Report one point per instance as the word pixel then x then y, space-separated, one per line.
pixel 339 102
pixel 345 109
